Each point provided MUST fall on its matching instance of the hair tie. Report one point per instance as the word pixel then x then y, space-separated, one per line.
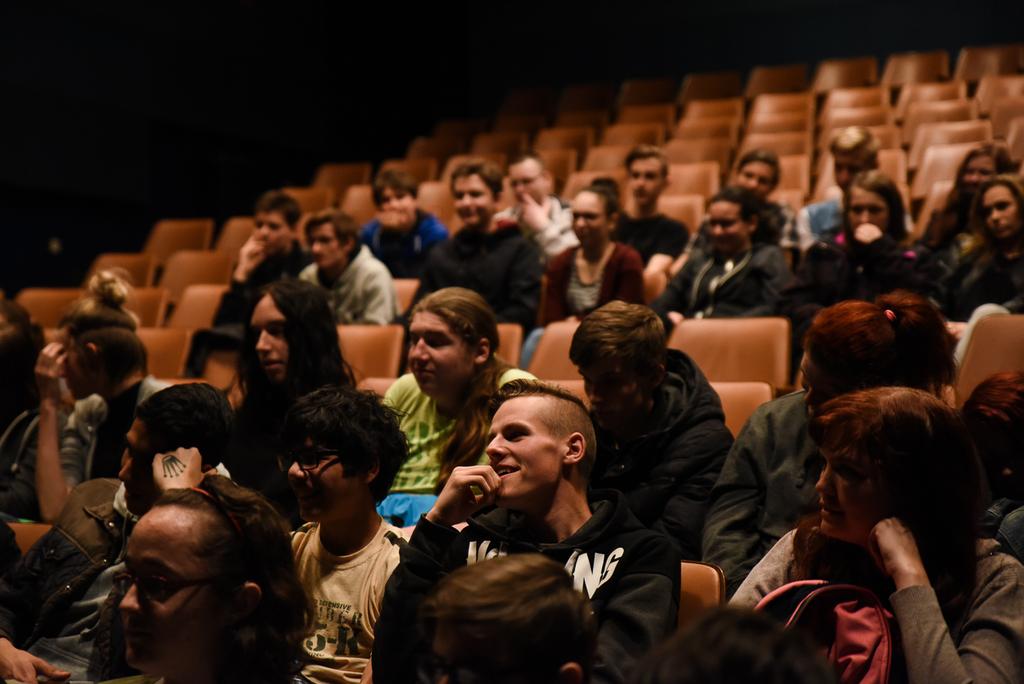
pixel 220 507
pixel 891 315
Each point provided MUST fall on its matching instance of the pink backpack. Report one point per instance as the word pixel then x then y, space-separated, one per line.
pixel 850 622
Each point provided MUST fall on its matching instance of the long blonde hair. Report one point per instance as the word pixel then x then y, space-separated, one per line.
pixel 470 318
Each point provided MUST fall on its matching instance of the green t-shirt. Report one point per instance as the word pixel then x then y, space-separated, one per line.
pixel 426 430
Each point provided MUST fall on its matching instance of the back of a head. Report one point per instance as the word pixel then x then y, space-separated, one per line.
pixel 547 625
pixel 994 414
pixel 630 333
pixel 278 201
pixel 102 306
pixel 248 540
pixel 856 141
pixel 899 339
pixel 876 182
pixel 729 645
pixel 364 432
pixel 188 415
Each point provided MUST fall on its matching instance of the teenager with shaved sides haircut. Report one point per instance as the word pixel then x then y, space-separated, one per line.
pixel 532 497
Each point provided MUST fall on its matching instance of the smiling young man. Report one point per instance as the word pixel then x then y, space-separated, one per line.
pixel 488 255
pixel 540 214
pixel 660 431
pixel 532 497
pixel 359 288
pixel 54 614
pixel 344 447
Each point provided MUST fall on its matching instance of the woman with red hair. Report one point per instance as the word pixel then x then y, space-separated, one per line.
pixel 767 482
pixel 897 514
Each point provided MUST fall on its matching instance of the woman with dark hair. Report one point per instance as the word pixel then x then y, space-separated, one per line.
pixel 582 278
pixel 768 478
pixel 739 271
pixel 994 414
pixel 865 260
pixel 948 232
pixel 104 364
pixel 210 590
pixel 899 501
pixel 290 349
pixel 990 278
pixel 20 344
pixel 453 338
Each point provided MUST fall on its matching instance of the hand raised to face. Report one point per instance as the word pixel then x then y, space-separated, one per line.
pixel 894 549
pixel 178 469
pixel 469 489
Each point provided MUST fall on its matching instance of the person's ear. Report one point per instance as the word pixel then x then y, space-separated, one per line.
pixel 570 673
pixel 247 599
pixel 482 351
pixel 576 449
pixel 371 474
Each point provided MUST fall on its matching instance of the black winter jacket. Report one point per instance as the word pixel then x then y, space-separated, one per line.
pixel 630 574
pixel 239 300
pixel 976 282
pixel 667 474
pixel 503 267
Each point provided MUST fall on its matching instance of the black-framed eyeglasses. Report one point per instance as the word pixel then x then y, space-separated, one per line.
pixel 308 458
pixel 155 587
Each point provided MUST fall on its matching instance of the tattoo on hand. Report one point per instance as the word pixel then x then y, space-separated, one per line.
pixel 173 466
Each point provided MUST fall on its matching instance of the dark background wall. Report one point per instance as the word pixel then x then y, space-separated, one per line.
pixel 116 114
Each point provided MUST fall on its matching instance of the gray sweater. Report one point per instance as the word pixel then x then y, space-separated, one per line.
pixel 363 293
pixel 986 644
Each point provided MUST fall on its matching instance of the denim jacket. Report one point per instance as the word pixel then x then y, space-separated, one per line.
pixel 1004 520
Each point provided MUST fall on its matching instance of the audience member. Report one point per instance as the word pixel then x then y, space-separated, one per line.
pixel 271 253
pixel 661 440
pixel 20 344
pixel 597 271
pixel 442 401
pixel 899 505
pixel 729 645
pixel 209 589
pixel 487 256
pixel 865 260
pixel 291 348
pixel 768 478
pixel 948 233
pixel 540 454
pixel 344 448
pixel 401 236
pixel 546 636
pixel 55 616
pixel 854 150
pixel 538 212
pixel 990 278
pixel 657 238
pixel 359 288
pixel 738 272
pixel 759 172
pixel 104 365
pixel 994 414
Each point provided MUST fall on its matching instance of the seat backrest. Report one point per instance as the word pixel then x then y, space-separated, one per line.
pixel 996 345
pixel 27 534
pixel 405 290
pixel 934 201
pixel 560 164
pixel 578 138
pixel 234 233
pixel 510 342
pixel 421 169
pixel 724 106
pixel 844 98
pixel 727 127
pixel 664 114
pixel 634 134
pixel 166 350
pixel 779 122
pixel 197 307
pixel 645 91
pixel 338 177
pixel 845 73
pixel 576 387
pixel 358 203
pixel 509 143
pixel 311 198
pixel 780 143
pixel 378 386
pixel 919 113
pixel 139 267
pixel 701 149
pixel 711 85
pixel 590 118
pixel 701 588
pixel 787 78
pixel 1004 110
pixel 435 197
pixel 687 209
pixel 606 157
pixel 551 359
pixel 947 133
pixel 977 61
pixel 193 267
pixel 939 162
pixel 47 305
pixel 928 92
pixel 740 399
pixel 795 173
pixel 171 235
pixel 700 178
pixel 995 86
pixel 737 349
pixel 373 351
pixel 842 117
pixel 1015 138
pixel 438 147
pixel 915 67
pixel 581 179
pixel 149 304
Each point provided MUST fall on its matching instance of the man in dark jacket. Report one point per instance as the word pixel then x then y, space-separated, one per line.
pixel 487 256
pixel 57 605
pixel 541 453
pixel 660 428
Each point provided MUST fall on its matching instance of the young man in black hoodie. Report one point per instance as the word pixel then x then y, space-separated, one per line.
pixel 532 497
pixel 660 431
